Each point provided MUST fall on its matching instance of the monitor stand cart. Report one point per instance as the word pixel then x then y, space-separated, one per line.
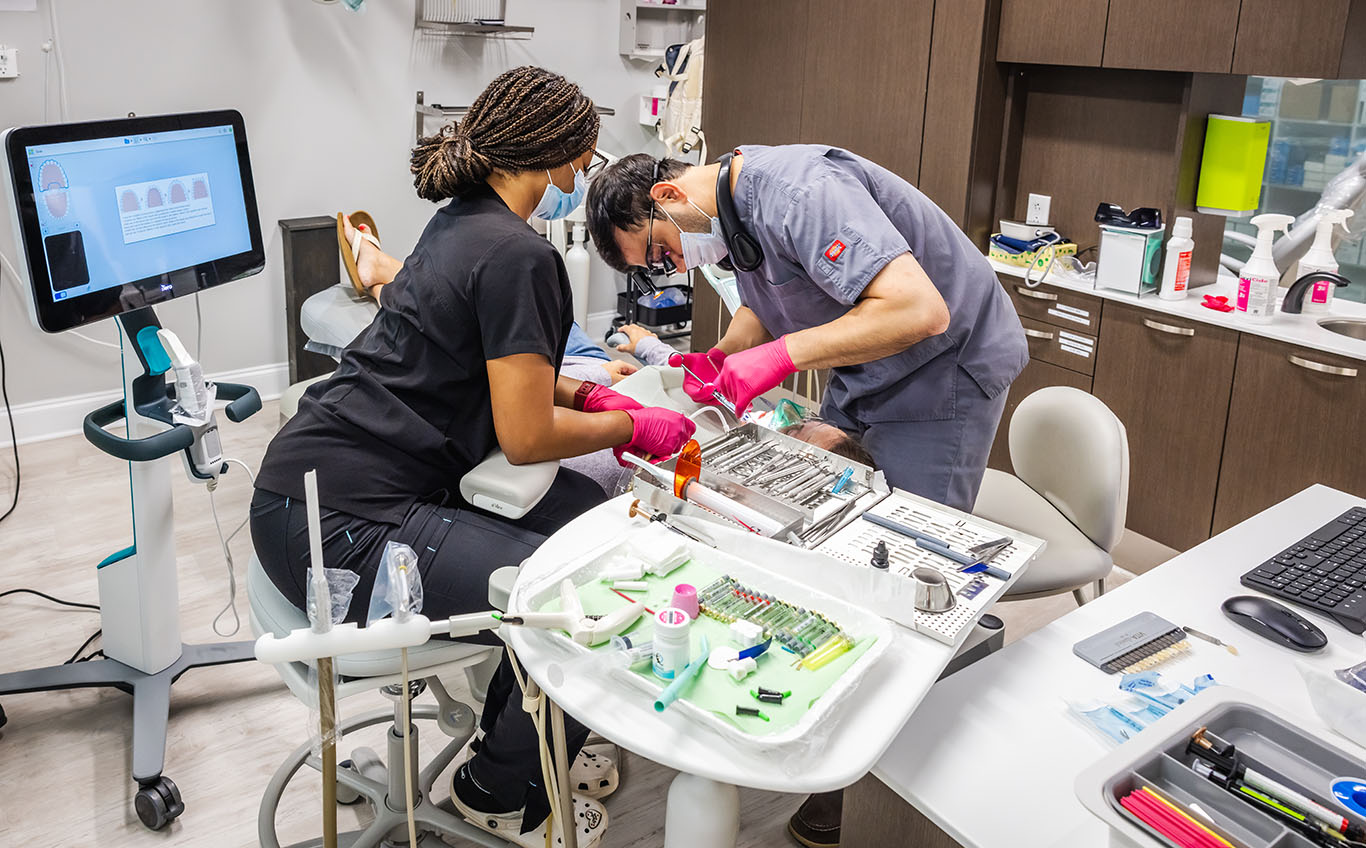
pixel 139 600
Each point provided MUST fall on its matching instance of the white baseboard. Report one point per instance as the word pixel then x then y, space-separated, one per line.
pixel 598 324
pixel 58 417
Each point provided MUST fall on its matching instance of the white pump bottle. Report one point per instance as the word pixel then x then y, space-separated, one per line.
pixel 1260 278
pixel 1320 258
pixel 576 264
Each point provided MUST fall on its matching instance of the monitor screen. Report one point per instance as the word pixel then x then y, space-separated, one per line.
pixel 118 215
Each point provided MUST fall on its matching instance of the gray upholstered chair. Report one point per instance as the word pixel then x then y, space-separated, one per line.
pixel 1070 488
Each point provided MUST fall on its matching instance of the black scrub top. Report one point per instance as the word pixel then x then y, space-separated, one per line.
pixel 407 413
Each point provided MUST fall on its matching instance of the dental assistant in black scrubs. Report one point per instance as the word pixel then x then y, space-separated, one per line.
pixel 463 358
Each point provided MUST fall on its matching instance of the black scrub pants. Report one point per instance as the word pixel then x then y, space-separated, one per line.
pixel 458 548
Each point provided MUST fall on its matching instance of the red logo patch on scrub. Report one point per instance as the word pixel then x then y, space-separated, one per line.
pixel 835 250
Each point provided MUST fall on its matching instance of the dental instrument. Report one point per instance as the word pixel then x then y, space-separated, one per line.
pixel 676 361
pixel 636 510
pixel 750 711
pixel 693 490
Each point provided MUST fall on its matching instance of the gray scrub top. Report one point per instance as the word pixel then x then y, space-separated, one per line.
pixel 829 221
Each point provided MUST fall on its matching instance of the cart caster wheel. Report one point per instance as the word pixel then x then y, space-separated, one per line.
pixel 158 803
pixel 346 796
pixel 3 717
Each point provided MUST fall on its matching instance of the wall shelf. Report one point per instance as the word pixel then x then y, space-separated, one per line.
pixel 649 27
pixel 446 18
pixel 426 110
pixel 485 30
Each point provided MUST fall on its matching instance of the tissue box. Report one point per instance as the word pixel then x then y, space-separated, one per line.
pixel 1130 259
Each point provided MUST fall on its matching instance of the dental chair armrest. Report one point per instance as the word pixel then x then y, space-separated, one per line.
pixel 244 401
pixel 509 490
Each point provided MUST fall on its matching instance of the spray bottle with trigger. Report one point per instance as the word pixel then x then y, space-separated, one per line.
pixel 1260 277
pixel 1320 259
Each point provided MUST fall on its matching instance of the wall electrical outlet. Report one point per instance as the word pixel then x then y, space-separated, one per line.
pixel 1038 209
pixel 9 62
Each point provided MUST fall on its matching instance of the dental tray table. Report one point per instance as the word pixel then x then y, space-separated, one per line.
pixel 713 697
pixel 1274 746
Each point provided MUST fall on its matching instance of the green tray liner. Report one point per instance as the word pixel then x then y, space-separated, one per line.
pixel 715 690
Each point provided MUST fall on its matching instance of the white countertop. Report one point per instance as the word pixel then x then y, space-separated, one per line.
pixel 1294 329
pixel 1004 717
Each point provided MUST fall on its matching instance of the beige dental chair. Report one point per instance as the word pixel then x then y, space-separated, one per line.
pixel 1070 488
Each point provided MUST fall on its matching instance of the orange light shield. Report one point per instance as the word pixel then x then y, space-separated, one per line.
pixel 688 467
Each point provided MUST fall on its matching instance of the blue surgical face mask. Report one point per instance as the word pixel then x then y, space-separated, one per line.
pixel 556 203
pixel 701 248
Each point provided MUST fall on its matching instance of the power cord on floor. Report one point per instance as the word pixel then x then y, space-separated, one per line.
pixel 76 657
pixel 13 437
pixel 231 606
pixel 47 597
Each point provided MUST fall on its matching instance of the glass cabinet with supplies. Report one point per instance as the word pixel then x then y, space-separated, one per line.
pixel 1317 129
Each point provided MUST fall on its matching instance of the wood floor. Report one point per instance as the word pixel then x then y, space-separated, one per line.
pixel 65 756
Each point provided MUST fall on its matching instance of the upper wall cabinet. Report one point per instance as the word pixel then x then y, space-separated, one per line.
pixel 1171 35
pixel 1302 38
pixel 1053 32
pixel 1313 38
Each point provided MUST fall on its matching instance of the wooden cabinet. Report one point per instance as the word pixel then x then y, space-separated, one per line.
pixel 1168 380
pixel 1171 35
pixel 839 88
pixel 1052 32
pixel 1295 419
pixel 1059 327
pixel 755 50
pixel 1288 38
pixel 1302 38
pixel 1036 375
pixel 1051 305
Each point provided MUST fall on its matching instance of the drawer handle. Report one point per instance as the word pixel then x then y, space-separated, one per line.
pixel 1311 365
pixel 1037 334
pixel 1168 328
pixel 1037 295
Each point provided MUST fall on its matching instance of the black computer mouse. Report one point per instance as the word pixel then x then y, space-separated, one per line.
pixel 1276 622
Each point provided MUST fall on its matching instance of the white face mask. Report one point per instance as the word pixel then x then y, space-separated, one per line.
pixel 701 248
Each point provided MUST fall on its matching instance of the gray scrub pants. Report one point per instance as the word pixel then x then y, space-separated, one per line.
pixel 941 459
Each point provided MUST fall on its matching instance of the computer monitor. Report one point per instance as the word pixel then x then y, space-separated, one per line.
pixel 113 216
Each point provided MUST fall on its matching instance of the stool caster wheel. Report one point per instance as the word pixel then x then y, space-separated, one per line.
pixel 346 796
pixel 158 803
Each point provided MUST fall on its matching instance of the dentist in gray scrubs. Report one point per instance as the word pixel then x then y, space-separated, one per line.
pixel 841 264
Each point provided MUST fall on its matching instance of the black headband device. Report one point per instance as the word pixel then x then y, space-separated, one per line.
pixel 745 252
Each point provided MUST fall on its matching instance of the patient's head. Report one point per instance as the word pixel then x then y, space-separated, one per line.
pixel 830 438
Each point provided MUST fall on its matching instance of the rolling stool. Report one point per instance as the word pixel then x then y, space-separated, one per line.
pixel 366 777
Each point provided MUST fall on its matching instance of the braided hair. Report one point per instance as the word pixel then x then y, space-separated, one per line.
pixel 528 119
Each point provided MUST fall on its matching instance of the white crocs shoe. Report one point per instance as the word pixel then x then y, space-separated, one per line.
pixel 594 773
pixel 590 822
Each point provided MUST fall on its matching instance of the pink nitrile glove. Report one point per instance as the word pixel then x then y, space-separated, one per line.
pixel 602 399
pixel 706 366
pixel 656 432
pixel 749 373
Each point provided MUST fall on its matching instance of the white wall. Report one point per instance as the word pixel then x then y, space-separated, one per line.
pixel 328 100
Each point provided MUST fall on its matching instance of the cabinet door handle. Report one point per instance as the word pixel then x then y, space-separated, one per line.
pixel 1311 365
pixel 1037 334
pixel 1037 295
pixel 1168 328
